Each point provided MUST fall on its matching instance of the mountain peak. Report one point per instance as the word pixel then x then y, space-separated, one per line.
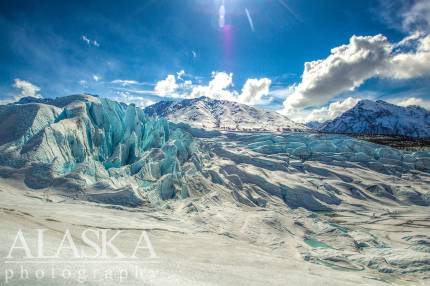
pixel 380 117
pixel 204 112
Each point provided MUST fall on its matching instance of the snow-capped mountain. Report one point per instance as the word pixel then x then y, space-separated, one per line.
pixel 382 118
pixel 209 113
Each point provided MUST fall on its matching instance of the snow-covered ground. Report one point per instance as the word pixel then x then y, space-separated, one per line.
pixel 263 218
pixel 219 208
pixel 213 240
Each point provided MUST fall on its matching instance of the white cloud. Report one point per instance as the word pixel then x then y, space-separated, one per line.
pixel 139 101
pixel 180 74
pixel 417 17
pixel 282 92
pixel 124 82
pixel 89 41
pixel 217 87
pixel 347 67
pixel 411 101
pixel 409 40
pixel 85 39
pixel 96 77
pixel 321 114
pixel 406 16
pixel 188 84
pixel 253 90
pixel 26 89
pixel 83 83
pixel 167 86
pixel 410 64
pixel 332 111
pixel 220 81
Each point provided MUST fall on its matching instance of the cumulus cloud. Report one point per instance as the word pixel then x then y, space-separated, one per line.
pixel 188 84
pixel 410 64
pixel 331 111
pixel 127 98
pixel 217 87
pixel 253 90
pixel 221 81
pixel 321 114
pixel 26 89
pixel 411 101
pixel 167 86
pixel 364 57
pixel 347 67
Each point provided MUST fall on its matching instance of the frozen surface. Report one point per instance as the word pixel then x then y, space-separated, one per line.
pixel 222 208
pixel 96 149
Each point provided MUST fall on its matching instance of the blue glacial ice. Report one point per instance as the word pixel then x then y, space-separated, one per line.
pixel 84 142
pixel 100 150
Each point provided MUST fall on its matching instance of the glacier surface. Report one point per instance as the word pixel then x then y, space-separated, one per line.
pixel 289 199
pixel 85 145
pixel 100 150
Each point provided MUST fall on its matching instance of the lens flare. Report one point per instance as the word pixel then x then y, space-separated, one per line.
pixel 221 16
pixel 251 23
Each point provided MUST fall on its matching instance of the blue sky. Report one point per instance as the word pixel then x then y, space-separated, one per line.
pixel 123 49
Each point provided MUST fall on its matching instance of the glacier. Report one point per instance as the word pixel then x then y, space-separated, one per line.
pixel 85 142
pixel 100 150
pixel 287 198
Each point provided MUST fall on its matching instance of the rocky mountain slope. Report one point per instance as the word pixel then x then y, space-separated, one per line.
pixel 209 113
pixel 381 118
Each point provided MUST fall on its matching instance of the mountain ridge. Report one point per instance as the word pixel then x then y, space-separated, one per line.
pixel 207 113
pixel 369 117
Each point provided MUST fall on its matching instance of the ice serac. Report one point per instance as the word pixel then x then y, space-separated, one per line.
pixel 209 113
pixel 100 150
pixel 381 118
pixel 96 149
